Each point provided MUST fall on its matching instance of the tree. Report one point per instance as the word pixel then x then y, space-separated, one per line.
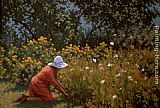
pixel 117 14
pixel 33 18
pixel 25 19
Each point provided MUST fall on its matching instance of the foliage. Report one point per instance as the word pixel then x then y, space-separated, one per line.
pixel 109 83
pixel 117 14
pixel 30 18
pixel 22 63
pixel 72 21
pixel 97 77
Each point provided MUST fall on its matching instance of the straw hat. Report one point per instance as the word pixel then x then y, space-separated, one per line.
pixel 58 62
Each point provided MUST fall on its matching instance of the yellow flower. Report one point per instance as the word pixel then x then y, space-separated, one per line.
pixel 30 42
pixel 42 39
pixel 42 55
pixel 29 59
pixel 40 46
pixel 63 49
pixel 84 53
pixel 7 59
pixel 38 63
pixel 54 49
pixel 24 46
pixel 70 45
pixel 36 47
pixel 102 44
pixel 14 56
pixel 12 52
pixel 2 49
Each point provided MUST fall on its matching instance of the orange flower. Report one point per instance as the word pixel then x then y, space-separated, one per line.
pixel 42 39
pixel 38 63
pixel 30 42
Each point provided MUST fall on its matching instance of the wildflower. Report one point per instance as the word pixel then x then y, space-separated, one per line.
pixel 84 78
pixel 63 49
pixel 128 62
pixel 114 35
pixel 36 47
pixel 38 63
pixel 130 78
pixel 101 68
pixel 102 81
pixel 30 42
pixel 70 45
pixel 127 101
pixel 87 68
pixel 91 71
pixel 14 56
pixel 109 64
pixel 29 59
pixel 111 43
pixel 118 75
pixel 24 46
pixel 42 55
pixel 142 70
pixel 123 71
pixel 135 82
pixel 94 60
pixel 81 70
pixel 131 37
pixel 54 49
pixel 114 96
pixel 145 78
pixel 103 44
pixel 115 56
pixel 137 65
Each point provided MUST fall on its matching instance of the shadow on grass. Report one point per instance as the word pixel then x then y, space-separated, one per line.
pixel 62 103
pixel 10 92
pixel 12 87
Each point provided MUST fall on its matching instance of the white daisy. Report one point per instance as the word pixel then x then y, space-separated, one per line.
pixel 102 81
pixel 111 43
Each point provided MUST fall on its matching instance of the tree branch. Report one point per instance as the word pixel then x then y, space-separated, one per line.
pixel 24 25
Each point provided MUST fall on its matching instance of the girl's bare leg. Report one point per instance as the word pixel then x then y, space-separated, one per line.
pixel 34 99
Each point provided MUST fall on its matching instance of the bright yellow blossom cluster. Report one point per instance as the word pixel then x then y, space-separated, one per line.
pixel 42 39
pixel 29 59
pixel 38 63
pixel 31 42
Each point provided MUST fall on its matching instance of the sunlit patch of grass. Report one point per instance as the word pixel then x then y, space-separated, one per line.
pixel 9 93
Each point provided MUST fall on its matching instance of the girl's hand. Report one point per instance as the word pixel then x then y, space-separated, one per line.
pixel 66 89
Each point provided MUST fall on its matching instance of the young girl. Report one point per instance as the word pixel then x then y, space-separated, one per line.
pixel 39 85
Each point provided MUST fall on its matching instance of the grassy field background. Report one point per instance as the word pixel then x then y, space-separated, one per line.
pixel 9 92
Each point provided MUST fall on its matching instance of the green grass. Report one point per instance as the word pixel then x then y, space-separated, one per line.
pixel 9 92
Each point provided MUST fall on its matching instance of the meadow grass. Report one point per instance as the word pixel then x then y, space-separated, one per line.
pixel 9 92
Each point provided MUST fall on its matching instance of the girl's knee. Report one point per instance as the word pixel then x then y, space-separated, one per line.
pixel 50 99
